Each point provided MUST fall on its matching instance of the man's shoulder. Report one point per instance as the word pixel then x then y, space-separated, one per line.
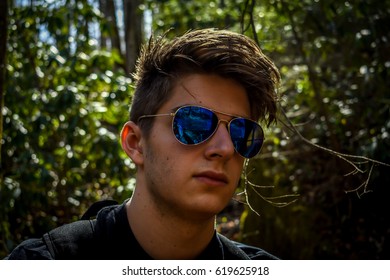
pixel 255 253
pixel 237 250
pixel 30 249
pixel 74 240
pixel 63 242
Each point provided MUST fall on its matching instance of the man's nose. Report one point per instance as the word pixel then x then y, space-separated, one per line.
pixel 220 145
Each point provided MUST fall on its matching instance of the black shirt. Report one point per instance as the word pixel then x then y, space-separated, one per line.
pixel 109 236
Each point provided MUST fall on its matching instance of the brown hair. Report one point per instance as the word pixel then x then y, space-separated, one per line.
pixel 162 63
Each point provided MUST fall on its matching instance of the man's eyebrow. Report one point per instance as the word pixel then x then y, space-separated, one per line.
pixel 174 109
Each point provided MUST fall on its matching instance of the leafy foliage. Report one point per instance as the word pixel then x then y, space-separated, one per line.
pixel 67 98
pixel 334 65
pixel 65 104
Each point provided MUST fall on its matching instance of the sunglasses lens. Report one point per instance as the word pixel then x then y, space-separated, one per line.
pixel 247 137
pixel 193 125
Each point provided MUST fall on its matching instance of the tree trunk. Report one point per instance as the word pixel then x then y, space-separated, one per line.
pixel 4 227
pixel 111 16
pixel 103 37
pixel 107 7
pixel 133 17
pixel 3 47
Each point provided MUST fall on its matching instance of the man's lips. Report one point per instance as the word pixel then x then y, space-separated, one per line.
pixel 212 178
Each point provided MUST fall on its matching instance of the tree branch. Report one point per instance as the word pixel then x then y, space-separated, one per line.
pixel 352 160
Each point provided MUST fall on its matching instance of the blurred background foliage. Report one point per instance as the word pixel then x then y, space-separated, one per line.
pixel 66 89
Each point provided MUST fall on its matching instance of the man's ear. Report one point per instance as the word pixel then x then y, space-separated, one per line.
pixel 131 137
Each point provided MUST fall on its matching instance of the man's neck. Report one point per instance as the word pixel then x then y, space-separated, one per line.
pixel 167 235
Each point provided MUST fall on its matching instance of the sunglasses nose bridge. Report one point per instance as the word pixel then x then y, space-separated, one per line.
pixel 223 121
pixel 227 127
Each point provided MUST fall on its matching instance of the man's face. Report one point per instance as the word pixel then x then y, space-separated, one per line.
pixel 194 181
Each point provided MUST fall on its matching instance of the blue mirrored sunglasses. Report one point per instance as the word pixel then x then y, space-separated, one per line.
pixel 193 125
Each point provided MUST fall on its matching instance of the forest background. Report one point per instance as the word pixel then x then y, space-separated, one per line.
pixel 320 186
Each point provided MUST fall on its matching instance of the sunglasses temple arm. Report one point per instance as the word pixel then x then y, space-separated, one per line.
pixel 152 116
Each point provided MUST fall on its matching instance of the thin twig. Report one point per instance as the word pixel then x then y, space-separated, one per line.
pixel 352 160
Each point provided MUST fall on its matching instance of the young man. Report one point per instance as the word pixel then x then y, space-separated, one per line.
pixel 192 124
